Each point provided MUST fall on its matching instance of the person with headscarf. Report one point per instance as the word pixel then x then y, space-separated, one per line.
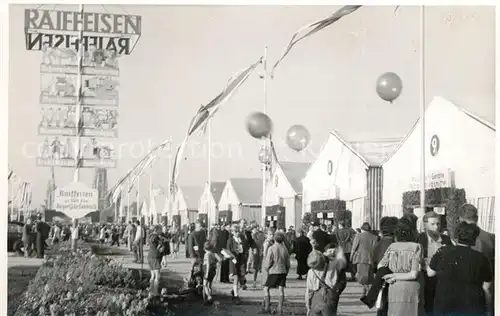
pixel 324 282
pixel 463 276
pixel 431 240
pixel 302 249
pixel 361 252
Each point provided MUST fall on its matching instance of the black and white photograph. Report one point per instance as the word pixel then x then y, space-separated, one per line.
pixel 248 159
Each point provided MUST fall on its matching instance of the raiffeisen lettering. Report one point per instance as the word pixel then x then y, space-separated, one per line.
pixel 75 194
pixel 91 22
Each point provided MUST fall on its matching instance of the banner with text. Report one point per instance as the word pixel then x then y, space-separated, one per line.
pixel 59 29
pixel 75 200
pixel 434 179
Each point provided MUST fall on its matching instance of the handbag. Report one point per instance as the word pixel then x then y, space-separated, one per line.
pixel 379 303
pixel 325 288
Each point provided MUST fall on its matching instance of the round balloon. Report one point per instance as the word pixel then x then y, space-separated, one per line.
pixel 298 137
pixel 389 86
pixel 259 125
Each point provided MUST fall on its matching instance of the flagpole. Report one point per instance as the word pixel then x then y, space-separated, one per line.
pixel 264 144
pixel 76 176
pixel 128 202
pixel 170 181
pixel 116 210
pixel 209 130
pixel 139 213
pixel 12 185
pixel 422 110
pixel 151 195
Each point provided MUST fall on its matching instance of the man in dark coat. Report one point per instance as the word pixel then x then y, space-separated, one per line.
pixel 188 240
pixel 248 247
pixel 198 241
pixel 431 240
pixel 291 237
pixel 344 236
pixel 302 249
pixel 222 238
pixel 485 243
pixel 40 240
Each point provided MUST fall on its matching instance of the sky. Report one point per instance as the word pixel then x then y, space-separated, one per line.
pixel 186 55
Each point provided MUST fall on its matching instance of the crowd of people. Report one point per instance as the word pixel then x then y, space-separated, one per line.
pixel 402 271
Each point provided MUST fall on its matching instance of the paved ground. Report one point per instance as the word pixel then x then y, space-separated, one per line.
pixel 179 268
pixel 251 298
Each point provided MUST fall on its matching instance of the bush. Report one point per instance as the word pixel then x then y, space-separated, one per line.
pixel 450 198
pixel 84 284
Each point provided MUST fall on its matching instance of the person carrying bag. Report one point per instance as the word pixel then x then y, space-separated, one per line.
pixel 322 284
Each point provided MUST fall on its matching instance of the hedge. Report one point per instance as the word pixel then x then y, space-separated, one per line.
pixel 450 198
pixel 328 205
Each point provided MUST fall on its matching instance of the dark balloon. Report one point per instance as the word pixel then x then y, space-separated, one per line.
pixel 298 137
pixel 389 86
pixel 259 125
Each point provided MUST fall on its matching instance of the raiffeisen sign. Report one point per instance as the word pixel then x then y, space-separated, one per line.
pixel 59 29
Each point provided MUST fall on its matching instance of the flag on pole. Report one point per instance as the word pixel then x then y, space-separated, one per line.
pixel 117 193
pixel 144 211
pixel 11 173
pixel 121 206
pixel 166 206
pixel 206 112
pixel 152 207
pixel 314 27
pixel 138 169
pixel 25 195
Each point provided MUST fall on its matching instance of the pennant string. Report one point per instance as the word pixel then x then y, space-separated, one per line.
pixel 315 27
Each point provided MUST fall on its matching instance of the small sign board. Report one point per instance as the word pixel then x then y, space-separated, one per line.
pixel 75 200
pixel 439 210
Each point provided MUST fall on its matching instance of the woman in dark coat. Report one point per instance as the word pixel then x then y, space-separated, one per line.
pixel 463 276
pixel 40 241
pixel 302 249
